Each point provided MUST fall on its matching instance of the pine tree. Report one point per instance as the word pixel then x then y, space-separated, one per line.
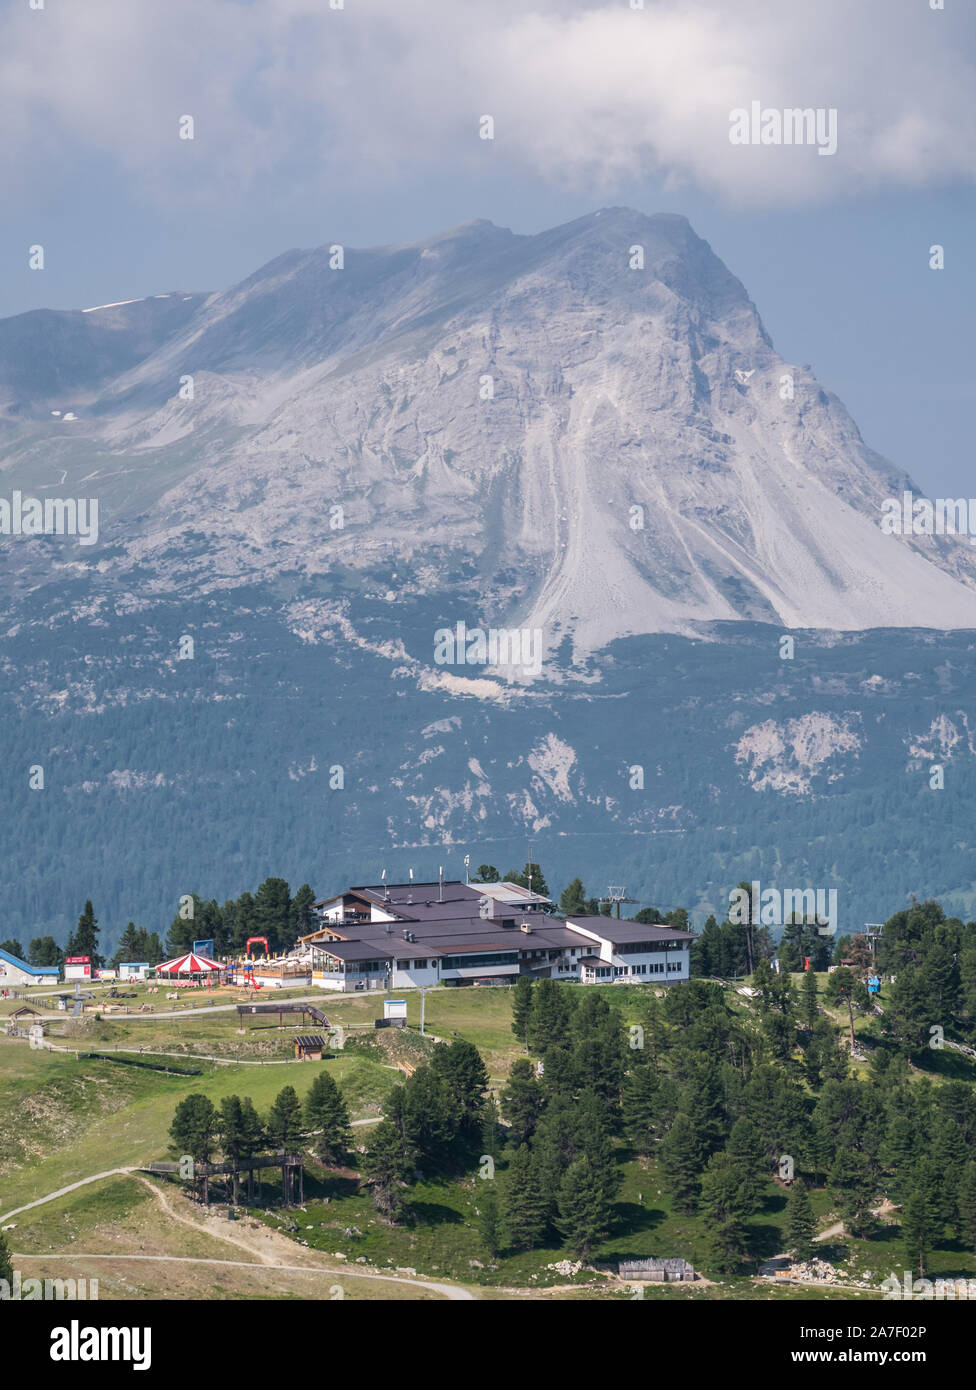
pixel 521 1099
pixel 490 1124
pixel 584 1210
pixel 230 1127
pixel 127 947
pixel 301 912
pixel 194 1129
pixel 272 914
pixel 253 1136
pixel 681 1161
pixel 386 1166
pixel 640 1099
pixel 919 1225
pixel 725 1203
pixel 83 941
pixel 285 1127
pixel 325 1112
pixel 431 1117
pixel 854 1187
pixel 461 1067
pixel 489 1219
pixel 522 1009
pixel 800 1222
pixel 487 873
pixel 531 877
pixel 966 1207
pixel 524 1203
pixel 13 948
pixel 549 1016
pixel 745 1148
pixel 44 950
pixel 808 1006
pixel 572 900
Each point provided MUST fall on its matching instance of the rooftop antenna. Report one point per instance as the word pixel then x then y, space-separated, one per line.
pixel 467 863
pixel 529 866
pixel 440 881
pixel 410 893
pixel 386 887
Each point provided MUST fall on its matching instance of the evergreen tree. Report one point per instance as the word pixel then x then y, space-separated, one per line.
pixel 326 1114
pixel 194 1129
pixel 524 1203
pixel 966 1207
pixel 44 950
pixel 252 1134
pixel 598 1047
pixel 572 900
pixel 284 1125
pixel 559 1077
pixel 272 914
pixel 302 921
pixel 386 1166
pixel 682 1159
pixel 639 1108
pixel 489 1219
pixel 531 877
pixel 83 941
pixel 725 1203
pixel 800 1222
pixel 127 947
pixel 549 1016
pixel 230 1127
pixel 745 1148
pixel 854 1187
pixel 490 1124
pixel 487 873
pixel 584 1210
pixel 6 1261
pixel 13 948
pixel 808 1006
pixel 460 1066
pixel 909 1014
pixel 431 1116
pixel 182 931
pixel 843 987
pixel 522 1101
pixel 522 1009
pixel 919 1225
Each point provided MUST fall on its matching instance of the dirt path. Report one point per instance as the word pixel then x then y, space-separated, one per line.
pixel 884 1209
pixel 453 1292
pixel 265 1245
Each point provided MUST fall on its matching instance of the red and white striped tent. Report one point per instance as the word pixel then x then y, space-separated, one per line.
pixel 189 964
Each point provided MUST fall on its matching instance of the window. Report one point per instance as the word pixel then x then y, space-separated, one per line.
pixel 493 958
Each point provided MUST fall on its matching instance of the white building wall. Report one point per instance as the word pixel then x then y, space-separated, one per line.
pixel 412 978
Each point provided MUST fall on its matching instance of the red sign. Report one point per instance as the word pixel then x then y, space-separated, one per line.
pixel 77 960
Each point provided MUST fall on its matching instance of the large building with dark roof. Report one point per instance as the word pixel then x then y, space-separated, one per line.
pixel 408 935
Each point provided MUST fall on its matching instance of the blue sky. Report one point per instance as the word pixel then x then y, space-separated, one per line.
pixel 360 125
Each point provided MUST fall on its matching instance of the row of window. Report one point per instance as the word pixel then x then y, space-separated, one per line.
pixel 602 972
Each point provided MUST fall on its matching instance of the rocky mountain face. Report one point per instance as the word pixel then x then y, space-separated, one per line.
pixel 586 432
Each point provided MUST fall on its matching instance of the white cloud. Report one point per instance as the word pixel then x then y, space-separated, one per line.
pixel 585 94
